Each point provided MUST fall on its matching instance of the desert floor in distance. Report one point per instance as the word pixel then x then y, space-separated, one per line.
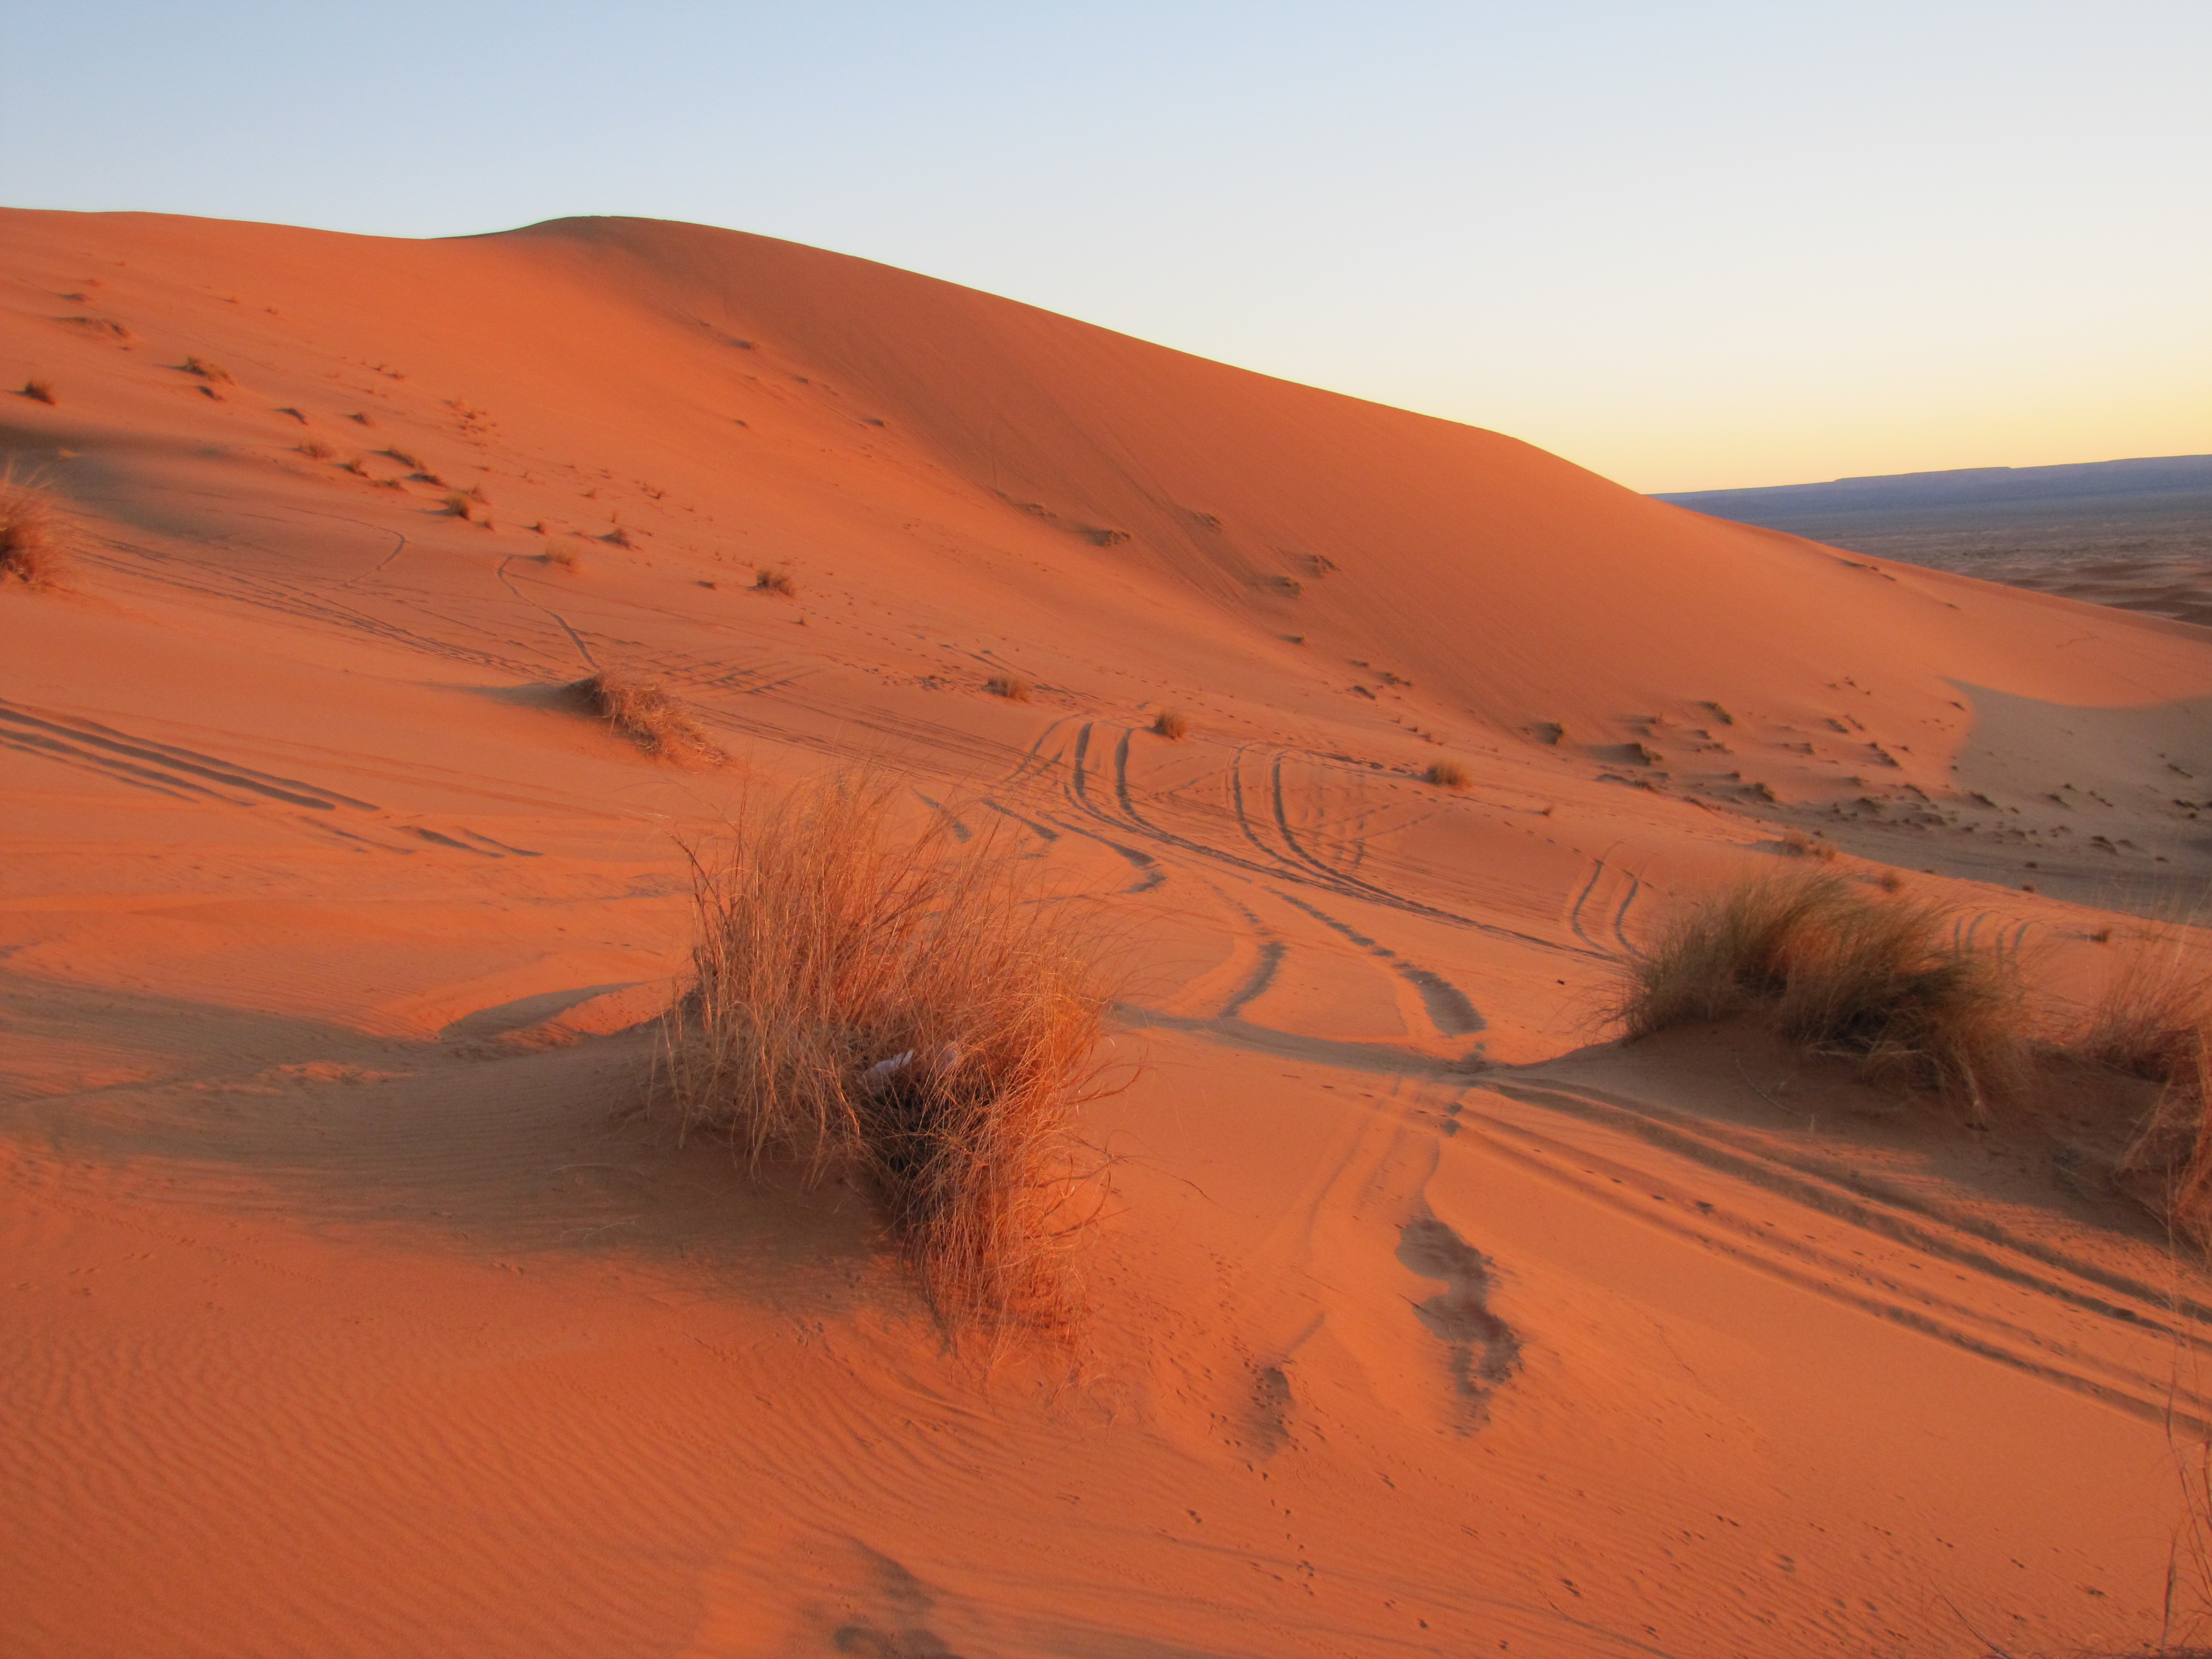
pixel 350 1309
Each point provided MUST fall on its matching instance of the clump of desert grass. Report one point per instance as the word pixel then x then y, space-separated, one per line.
pixel 41 391
pixel 563 557
pixel 2155 1022
pixel 206 370
pixel 874 999
pixel 1894 984
pixel 1012 687
pixel 1798 843
pixel 776 581
pixel 34 538
pixel 457 505
pixel 1446 775
pixel 1172 724
pixel 642 712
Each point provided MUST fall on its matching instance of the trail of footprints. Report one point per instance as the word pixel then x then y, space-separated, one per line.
pixel 188 775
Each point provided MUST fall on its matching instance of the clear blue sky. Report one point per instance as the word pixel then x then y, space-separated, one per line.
pixel 1690 245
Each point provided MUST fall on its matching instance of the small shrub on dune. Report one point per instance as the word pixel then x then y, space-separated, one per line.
pixel 1012 686
pixel 2155 1022
pixel 207 371
pixel 1446 775
pixel 1171 723
pixel 457 505
pixel 35 540
pixel 1796 843
pixel 41 391
pixel 1890 983
pixel 778 582
pixel 642 712
pixel 563 557
pixel 881 1001
pixel 316 450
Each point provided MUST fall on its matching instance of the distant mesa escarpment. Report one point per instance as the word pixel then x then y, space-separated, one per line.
pixel 2136 534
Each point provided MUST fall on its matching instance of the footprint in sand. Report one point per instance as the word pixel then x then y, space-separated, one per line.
pixel 1482 1351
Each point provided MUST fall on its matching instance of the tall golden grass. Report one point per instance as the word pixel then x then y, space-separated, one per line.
pixel 2155 1022
pixel 1892 983
pixel 875 998
pixel 34 538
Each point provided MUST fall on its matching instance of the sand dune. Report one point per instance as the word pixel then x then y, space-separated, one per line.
pixel 353 1315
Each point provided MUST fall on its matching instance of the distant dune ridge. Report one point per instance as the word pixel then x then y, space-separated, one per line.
pixel 364 1297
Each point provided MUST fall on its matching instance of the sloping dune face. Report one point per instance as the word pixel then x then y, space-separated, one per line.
pixel 355 1308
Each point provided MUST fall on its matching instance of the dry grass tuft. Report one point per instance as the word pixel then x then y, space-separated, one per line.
pixel 1447 775
pixel 647 716
pixel 1171 723
pixel 1798 843
pixel 563 557
pixel 316 450
pixel 1012 687
pixel 617 537
pixel 41 392
pixel 2155 1022
pixel 879 1000
pixel 34 538
pixel 406 458
pixel 778 582
pixel 457 505
pixel 206 370
pixel 1890 983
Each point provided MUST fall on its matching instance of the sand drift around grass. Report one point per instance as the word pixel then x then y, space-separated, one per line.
pixel 880 1001
pixel 1891 983
pixel 640 712
pixel 2155 1022
pixel 35 540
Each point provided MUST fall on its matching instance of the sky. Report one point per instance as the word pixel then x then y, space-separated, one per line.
pixel 1689 244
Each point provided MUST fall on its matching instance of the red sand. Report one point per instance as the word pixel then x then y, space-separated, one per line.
pixel 348 1316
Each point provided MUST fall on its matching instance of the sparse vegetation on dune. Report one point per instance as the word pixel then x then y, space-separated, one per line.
pixel 776 581
pixel 458 504
pixel 316 450
pixel 1446 775
pixel 882 1001
pixel 1171 723
pixel 563 556
pixel 642 712
pixel 206 370
pixel 34 540
pixel 1891 983
pixel 1012 687
pixel 41 391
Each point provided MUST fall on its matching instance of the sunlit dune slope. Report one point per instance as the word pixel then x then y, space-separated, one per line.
pixel 838 400
pixel 352 1310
